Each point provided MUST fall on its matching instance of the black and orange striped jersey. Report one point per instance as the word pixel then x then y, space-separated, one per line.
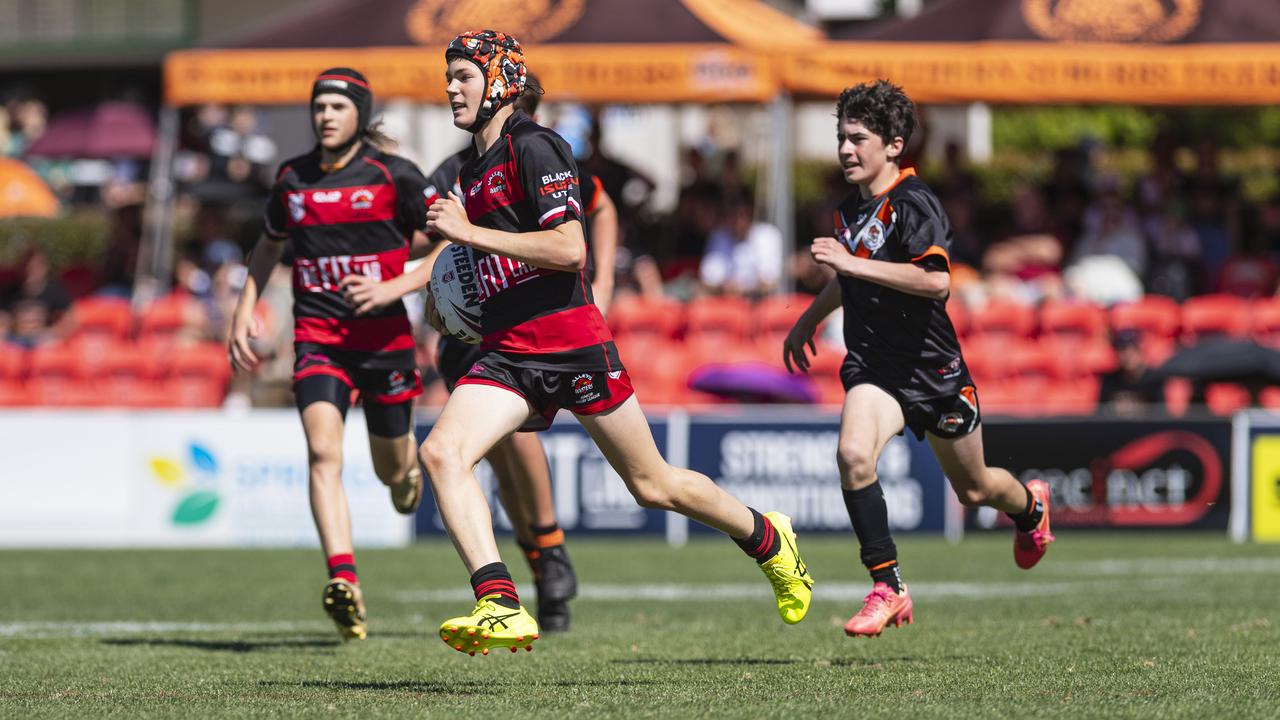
pixel 526 182
pixel 907 339
pixel 358 219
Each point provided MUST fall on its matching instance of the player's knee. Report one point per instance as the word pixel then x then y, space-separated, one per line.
pixel 439 453
pixel 973 495
pixel 857 465
pixel 654 492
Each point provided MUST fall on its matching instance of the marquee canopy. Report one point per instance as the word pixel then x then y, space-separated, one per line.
pixel 1158 52
pixel 588 50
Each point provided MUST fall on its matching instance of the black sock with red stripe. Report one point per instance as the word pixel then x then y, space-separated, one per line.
pixel 870 518
pixel 343 565
pixel 493 579
pixel 763 542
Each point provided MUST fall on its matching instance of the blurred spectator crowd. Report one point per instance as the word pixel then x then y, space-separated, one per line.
pixel 1068 295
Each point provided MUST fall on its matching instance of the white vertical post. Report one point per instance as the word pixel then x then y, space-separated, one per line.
pixel 678 455
pixel 781 187
pixel 978 142
pixel 155 255
pixel 1241 477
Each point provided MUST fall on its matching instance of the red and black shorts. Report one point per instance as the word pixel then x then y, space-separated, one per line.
pixel 387 384
pixel 945 407
pixel 582 392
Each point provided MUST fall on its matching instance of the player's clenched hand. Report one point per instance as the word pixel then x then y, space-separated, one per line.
pixel 801 335
pixel 448 217
pixel 832 253
pixel 366 294
pixel 433 315
pixel 239 351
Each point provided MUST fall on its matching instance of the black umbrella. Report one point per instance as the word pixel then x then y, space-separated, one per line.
pixel 1225 360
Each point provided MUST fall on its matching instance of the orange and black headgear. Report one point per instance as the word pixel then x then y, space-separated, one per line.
pixel 501 62
pixel 353 85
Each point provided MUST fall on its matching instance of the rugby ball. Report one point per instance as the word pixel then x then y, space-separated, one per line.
pixel 456 289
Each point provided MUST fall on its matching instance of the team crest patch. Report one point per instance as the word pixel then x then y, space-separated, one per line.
pixel 584 389
pixel 951 422
pixel 361 199
pixel 872 236
pixel 297 206
pixel 615 374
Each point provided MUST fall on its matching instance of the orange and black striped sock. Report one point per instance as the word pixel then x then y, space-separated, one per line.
pixel 343 565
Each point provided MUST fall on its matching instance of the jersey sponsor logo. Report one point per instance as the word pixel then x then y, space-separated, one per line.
pixel 361 199
pixel 297 206
pixel 584 389
pixel 324 274
pixel 498 273
pixel 557 185
pixel 321 197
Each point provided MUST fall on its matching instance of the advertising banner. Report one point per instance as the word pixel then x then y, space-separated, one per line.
pixel 774 462
pixel 1119 473
pixel 119 479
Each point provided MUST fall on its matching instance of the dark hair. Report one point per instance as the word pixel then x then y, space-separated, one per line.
pixel 882 106
pixel 529 99
pixel 377 137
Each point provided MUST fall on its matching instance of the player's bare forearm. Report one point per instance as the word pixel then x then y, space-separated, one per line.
pixel 901 276
pixel 823 305
pixel 604 241
pixel 266 254
pixel 560 248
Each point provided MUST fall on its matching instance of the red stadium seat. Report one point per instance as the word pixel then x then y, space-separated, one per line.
pixel 959 314
pixel 1074 359
pixel 989 358
pixel 1264 325
pixel 1177 396
pixel 1002 319
pixel 1247 277
pixel 66 392
pixel 107 316
pixel 205 360
pixel 13 361
pixel 777 314
pixel 724 317
pixel 1152 316
pixel 1072 320
pixel 168 315
pixel 1072 397
pixel 1226 398
pixel 1211 316
pixel 14 394
pixel 195 392
pixel 1269 398
pixel 649 317
pixel 56 360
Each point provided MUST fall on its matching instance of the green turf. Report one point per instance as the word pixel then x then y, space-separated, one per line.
pixel 1181 626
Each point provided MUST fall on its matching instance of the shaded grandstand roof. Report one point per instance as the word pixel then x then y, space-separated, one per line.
pixel 598 50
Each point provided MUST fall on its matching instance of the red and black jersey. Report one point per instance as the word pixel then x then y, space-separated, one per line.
pixel 906 338
pixel 526 182
pixel 359 220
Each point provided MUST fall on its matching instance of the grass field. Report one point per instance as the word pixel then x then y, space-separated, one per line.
pixel 1107 626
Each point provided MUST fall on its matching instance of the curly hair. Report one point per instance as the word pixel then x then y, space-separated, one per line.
pixel 881 106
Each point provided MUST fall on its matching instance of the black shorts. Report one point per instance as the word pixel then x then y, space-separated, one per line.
pixel 454 358
pixel 358 371
pixel 947 408
pixel 581 392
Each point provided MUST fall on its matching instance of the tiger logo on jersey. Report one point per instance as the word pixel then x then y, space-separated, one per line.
pixel 297 206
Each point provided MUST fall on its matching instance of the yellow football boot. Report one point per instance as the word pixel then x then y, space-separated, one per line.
pixel 489 626
pixel 791 581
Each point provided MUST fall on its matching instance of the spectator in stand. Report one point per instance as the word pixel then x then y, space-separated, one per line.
pixel 1132 389
pixel 1175 253
pixel 1111 227
pixel 37 305
pixel 1025 265
pixel 120 259
pixel 1067 192
pixel 28 119
pixel 743 257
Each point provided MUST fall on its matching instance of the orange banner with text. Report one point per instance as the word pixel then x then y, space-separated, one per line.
pixel 1043 73
pixel 585 73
